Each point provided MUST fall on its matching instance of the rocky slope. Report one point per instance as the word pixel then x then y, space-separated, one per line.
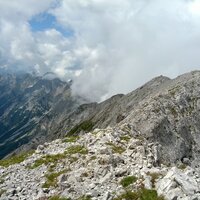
pixel 105 164
pixel 163 110
pixel 38 109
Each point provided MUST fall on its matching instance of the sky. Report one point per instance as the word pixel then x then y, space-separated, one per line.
pixel 105 47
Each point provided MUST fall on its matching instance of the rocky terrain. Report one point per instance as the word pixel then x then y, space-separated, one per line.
pixel 104 164
pixel 143 145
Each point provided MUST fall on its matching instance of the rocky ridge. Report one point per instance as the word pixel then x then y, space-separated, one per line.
pixel 104 164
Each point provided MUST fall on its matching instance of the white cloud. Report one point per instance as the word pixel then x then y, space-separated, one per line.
pixel 129 42
pixel 117 44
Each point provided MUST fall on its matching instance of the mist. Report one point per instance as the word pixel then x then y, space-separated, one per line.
pixel 106 47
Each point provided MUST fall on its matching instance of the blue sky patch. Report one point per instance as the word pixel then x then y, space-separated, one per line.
pixel 46 21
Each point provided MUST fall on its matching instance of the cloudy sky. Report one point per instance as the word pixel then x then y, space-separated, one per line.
pixel 106 47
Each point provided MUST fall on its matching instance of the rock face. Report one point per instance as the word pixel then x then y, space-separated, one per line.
pixel 170 117
pixel 178 184
pixel 163 111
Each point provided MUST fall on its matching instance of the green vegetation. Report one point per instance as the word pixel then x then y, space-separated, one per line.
pixel 72 159
pixel 103 161
pixel 146 194
pixel 125 138
pixel 52 179
pixel 1 180
pixel 71 139
pixel 1 192
pixel 84 174
pixel 85 197
pixel 15 159
pixel 128 195
pixel 76 149
pixel 48 159
pixel 142 194
pixel 58 198
pixel 156 110
pixel 174 90
pixel 115 148
pixel 128 181
pixel 182 166
pixel 126 129
pixel 140 137
pixel 93 158
pixel 154 177
pixel 85 126
pixel 57 157
pixel 174 113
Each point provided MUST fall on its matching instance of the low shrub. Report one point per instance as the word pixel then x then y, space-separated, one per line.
pixel 154 177
pixel 48 159
pixel 58 198
pixel 52 179
pixel 15 159
pixel 142 194
pixel 1 192
pixel 85 197
pixel 85 126
pixel 76 149
pixel 126 181
pixel 115 148
pixel 71 139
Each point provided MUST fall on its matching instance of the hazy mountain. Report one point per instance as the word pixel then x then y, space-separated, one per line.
pixel 29 106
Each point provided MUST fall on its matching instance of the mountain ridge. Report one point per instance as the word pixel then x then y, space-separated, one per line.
pixel 122 108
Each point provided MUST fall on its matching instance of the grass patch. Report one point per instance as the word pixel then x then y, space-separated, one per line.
pixel 128 195
pixel 85 197
pixel 146 194
pixel 115 148
pixel 48 159
pixel 93 158
pixel 154 177
pixel 72 159
pixel 85 126
pixel 125 138
pixel 15 159
pixel 103 161
pixel 57 157
pixel 85 174
pixel 2 180
pixel 125 182
pixel 174 112
pixel 140 137
pixel 174 90
pixel 76 149
pixel 71 139
pixel 1 192
pixel 58 198
pixel 52 179
pixel 182 166
pixel 143 194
